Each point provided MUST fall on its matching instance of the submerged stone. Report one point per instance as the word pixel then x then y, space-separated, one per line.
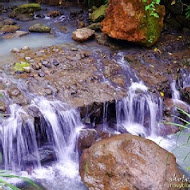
pixel 129 20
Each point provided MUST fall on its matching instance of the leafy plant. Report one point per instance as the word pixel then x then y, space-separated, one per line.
pixel 152 7
pixel 6 174
pixel 183 126
pixel 187 13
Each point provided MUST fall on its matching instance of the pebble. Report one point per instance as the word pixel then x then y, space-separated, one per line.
pixel 41 74
pixel 48 91
pixel 27 69
pixel 46 63
pixel 55 62
pixel 25 48
pixel 22 55
pixel 27 58
pixel 15 50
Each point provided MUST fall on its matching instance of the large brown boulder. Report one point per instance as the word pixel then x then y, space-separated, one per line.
pixel 129 20
pixel 127 162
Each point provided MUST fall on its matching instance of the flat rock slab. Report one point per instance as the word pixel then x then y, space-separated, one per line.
pixel 73 76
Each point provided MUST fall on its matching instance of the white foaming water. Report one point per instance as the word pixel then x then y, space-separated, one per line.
pixel 61 125
pixel 140 112
pixel 175 94
pixel 18 140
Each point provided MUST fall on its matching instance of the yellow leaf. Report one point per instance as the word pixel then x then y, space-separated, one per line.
pixel 155 49
pixel 173 2
pixel 162 94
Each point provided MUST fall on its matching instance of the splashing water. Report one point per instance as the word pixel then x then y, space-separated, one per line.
pixel 140 112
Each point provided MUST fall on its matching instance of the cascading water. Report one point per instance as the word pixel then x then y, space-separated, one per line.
pixel 18 140
pixel 140 112
pixel 59 124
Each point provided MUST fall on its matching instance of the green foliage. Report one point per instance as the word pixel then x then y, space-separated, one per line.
pixel 183 126
pixel 187 13
pixel 20 66
pixel 6 174
pixel 151 7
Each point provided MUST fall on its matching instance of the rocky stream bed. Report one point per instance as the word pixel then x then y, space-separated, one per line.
pixel 40 81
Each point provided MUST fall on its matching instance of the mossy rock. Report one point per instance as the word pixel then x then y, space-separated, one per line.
pixel 19 66
pixel 28 8
pixel 99 14
pixel 40 28
pixel 9 28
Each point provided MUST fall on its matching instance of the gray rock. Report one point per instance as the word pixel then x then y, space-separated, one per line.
pixel 82 34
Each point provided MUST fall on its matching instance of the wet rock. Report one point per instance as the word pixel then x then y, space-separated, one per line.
pixel 17 34
pixel 54 13
pixel 9 22
pixel 2 106
pixel 86 138
pixel 25 48
pixel 40 28
pixel 81 24
pixel 24 17
pixel 1 24
pixel 118 163
pixel 15 50
pixel 55 62
pixel 48 91
pixel 133 23
pixel 41 74
pixel 36 66
pixel 46 63
pixel 27 8
pixel 95 26
pixel 9 28
pixel 82 34
pixel 14 92
pixel 27 69
pixel 186 94
pixel 99 14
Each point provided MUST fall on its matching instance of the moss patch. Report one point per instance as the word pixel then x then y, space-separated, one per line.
pixel 28 8
pixel 99 14
pixel 20 66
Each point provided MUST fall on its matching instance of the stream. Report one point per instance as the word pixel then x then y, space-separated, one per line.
pixel 49 154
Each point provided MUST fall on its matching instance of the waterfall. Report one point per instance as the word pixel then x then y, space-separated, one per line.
pixel 175 92
pixel 59 123
pixel 18 140
pixel 140 112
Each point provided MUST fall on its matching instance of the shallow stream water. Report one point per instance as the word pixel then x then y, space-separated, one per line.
pixel 63 174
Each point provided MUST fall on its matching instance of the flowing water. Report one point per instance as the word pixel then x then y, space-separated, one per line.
pixel 27 146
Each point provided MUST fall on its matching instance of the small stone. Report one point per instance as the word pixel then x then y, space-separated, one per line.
pixel 28 58
pixel 22 55
pixel 15 92
pixel 55 50
pixel 2 106
pixel 41 74
pixel 48 91
pixel 74 49
pixel 15 50
pixel 46 63
pixel 25 48
pixel 55 62
pixel 27 69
